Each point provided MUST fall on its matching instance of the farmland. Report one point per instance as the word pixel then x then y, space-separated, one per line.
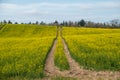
pixel 23 50
pixel 96 49
pixel 36 51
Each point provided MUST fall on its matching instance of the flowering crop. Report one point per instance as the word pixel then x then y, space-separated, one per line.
pixel 23 50
pixel 92 48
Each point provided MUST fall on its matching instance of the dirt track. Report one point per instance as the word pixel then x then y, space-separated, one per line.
pixel 1 26
pixel 76 71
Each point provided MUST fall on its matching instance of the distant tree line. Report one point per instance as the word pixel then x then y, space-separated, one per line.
pixel 82 23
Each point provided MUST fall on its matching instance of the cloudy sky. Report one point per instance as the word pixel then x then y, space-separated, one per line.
pixel 51 10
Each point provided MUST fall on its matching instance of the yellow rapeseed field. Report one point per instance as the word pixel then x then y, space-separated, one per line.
pixel 23 50
pixel 92 48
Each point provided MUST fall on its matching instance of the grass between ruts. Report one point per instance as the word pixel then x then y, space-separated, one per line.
pixel 59 55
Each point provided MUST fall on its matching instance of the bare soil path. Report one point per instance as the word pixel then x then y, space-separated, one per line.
pixel 50 69
pixel 49 66
pixel 1 26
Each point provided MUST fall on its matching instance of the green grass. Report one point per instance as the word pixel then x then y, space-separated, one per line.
pixel 97 49
pixel 60 57
pixel 23 50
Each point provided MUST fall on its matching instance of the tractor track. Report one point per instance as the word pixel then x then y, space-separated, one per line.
pixel 76 71
pixel 1 27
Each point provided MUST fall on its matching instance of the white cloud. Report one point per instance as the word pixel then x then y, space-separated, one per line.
pixel 108 5
pixel 52 7
pixel 69 10
pixel 8 6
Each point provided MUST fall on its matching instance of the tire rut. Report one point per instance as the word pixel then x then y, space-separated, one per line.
pixel 74 67
pixel 50 69
pixel 1 26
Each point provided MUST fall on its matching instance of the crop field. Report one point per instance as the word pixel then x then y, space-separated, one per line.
pixel 96 49
pixel 23 50
pixel 27 50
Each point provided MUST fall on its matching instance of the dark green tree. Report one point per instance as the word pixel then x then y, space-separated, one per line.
pixel 81 23
pixel 16 22
pixel 5 22
pixel 42 23
pixel 9 22
pixel 29 23
pixel 37 22
pixel 56 23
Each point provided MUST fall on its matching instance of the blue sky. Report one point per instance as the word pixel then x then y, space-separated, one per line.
pixel 51 10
